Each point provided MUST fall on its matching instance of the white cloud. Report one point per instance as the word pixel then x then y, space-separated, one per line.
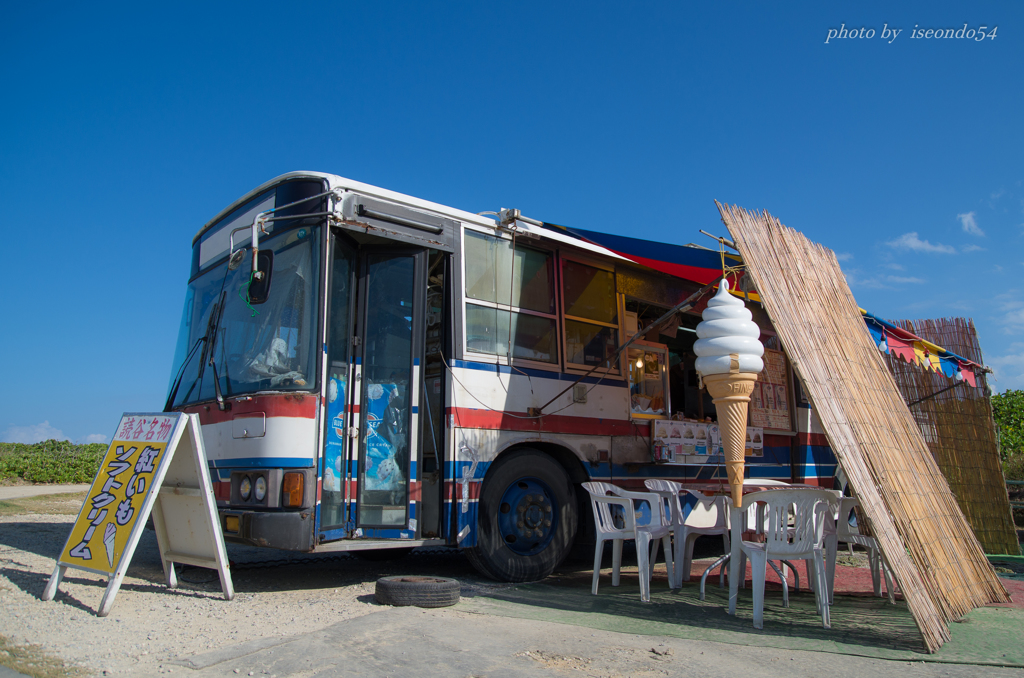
pixel 1009 367
pixel 973 248
pixel 95 438
pixel 910 241
pixel 32 434
pixel 898 279
pixel 895 267
pixel 854 279
pixel 970 224
pixel 1013 321
pixel 843 256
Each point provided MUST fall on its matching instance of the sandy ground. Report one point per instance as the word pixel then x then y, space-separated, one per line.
pixel 283 599
pixel 278 594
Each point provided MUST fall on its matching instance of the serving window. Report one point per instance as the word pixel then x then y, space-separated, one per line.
pixel 510 296
pixel 591 315
pixel 648 381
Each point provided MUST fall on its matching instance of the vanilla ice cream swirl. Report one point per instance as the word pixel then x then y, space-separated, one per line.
pixel 727 333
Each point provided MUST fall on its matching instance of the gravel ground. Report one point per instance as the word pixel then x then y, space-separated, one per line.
pixel 277 594
pixel 283 595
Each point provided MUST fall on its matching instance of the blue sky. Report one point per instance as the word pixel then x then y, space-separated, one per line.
pixel 126 127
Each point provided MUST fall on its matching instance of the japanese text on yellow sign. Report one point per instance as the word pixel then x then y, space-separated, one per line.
pixel 118 493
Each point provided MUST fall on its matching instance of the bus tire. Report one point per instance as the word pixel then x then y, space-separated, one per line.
pixel 526 519
pixel 406 590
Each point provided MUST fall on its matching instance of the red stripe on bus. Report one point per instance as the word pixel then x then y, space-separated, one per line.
pixel 519 421
pixel 454 490
pixel 300 406
pixel 222 490
pixel 817 439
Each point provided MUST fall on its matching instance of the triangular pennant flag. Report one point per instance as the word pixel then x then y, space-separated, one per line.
pixel 950 366
pixel 876 334
pixel 968 375
pixel 900 348
pixel 919 356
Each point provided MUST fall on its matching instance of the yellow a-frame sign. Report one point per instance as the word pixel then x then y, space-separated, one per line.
pixel 155 463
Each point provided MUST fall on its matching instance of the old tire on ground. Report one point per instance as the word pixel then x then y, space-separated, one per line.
pixel 526 519
pixel 409 590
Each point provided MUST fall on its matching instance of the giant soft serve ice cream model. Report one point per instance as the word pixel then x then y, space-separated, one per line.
pixel 729 360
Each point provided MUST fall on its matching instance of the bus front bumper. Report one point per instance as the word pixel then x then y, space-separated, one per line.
pixel 288 530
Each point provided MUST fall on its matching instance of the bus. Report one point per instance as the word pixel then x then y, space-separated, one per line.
pixel 374 371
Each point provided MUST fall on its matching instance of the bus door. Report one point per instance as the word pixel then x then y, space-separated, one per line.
pixel 387 388
pixel 335 519
pixel 376 321
pixel 387 332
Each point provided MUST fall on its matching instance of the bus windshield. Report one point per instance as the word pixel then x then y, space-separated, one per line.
pixel 268 346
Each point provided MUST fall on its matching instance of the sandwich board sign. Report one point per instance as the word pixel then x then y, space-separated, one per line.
pixel 155 464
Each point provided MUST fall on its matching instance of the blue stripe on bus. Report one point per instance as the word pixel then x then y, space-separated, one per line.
pixel 539 374
pixel 263 462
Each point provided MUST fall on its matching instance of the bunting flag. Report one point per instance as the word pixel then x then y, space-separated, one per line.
pixel 913 349
pixel 919 357
pixel 901 348
pixel 702 265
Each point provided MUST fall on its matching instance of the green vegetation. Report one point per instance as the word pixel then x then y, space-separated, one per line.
pixel 1008 411
pixel 51 461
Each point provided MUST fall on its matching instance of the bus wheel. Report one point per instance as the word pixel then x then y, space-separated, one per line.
pixel 526 518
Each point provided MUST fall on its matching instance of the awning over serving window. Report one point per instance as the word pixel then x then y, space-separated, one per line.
pixel 690 263
pixel 704 265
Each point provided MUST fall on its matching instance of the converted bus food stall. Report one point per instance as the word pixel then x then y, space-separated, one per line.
pixel 376 371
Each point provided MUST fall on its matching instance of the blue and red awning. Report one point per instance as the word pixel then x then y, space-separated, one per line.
pixel 705 265
pixel 697 264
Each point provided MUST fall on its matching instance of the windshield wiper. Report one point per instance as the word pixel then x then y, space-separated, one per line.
pixel 181 373
pixel 222 404
pixel 206 357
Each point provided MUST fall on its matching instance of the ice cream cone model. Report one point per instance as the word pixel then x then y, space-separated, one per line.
pixel 109 534
pixel 729 360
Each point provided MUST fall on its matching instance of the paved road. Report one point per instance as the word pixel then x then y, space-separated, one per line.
pixel 21 491
pixel 445 642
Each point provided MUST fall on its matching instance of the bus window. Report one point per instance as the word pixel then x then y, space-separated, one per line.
pixel 503 288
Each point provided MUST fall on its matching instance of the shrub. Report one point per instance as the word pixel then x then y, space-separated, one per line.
pixel 51 461
pixel 1008 412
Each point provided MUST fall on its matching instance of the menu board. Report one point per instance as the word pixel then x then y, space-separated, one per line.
pixel 671 441
pixel 769 403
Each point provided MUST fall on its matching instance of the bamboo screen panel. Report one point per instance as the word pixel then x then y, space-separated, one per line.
pixel 957 425
pixel 930 548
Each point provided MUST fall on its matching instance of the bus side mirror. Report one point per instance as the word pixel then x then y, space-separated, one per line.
pixel 259 287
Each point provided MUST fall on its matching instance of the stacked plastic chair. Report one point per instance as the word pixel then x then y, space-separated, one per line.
pixel 615 520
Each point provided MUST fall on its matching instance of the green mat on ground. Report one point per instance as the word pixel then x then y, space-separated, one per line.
pixel 861 625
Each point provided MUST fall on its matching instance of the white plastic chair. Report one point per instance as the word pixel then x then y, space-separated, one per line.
pixel 709 516
pixel 604 496
pixel 793 529
pixel 847 534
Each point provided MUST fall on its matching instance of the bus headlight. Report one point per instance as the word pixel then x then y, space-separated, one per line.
pixel 261 488
pixel 291 490
pixel 245 488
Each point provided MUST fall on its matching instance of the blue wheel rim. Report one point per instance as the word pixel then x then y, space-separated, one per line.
pixel 527 516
